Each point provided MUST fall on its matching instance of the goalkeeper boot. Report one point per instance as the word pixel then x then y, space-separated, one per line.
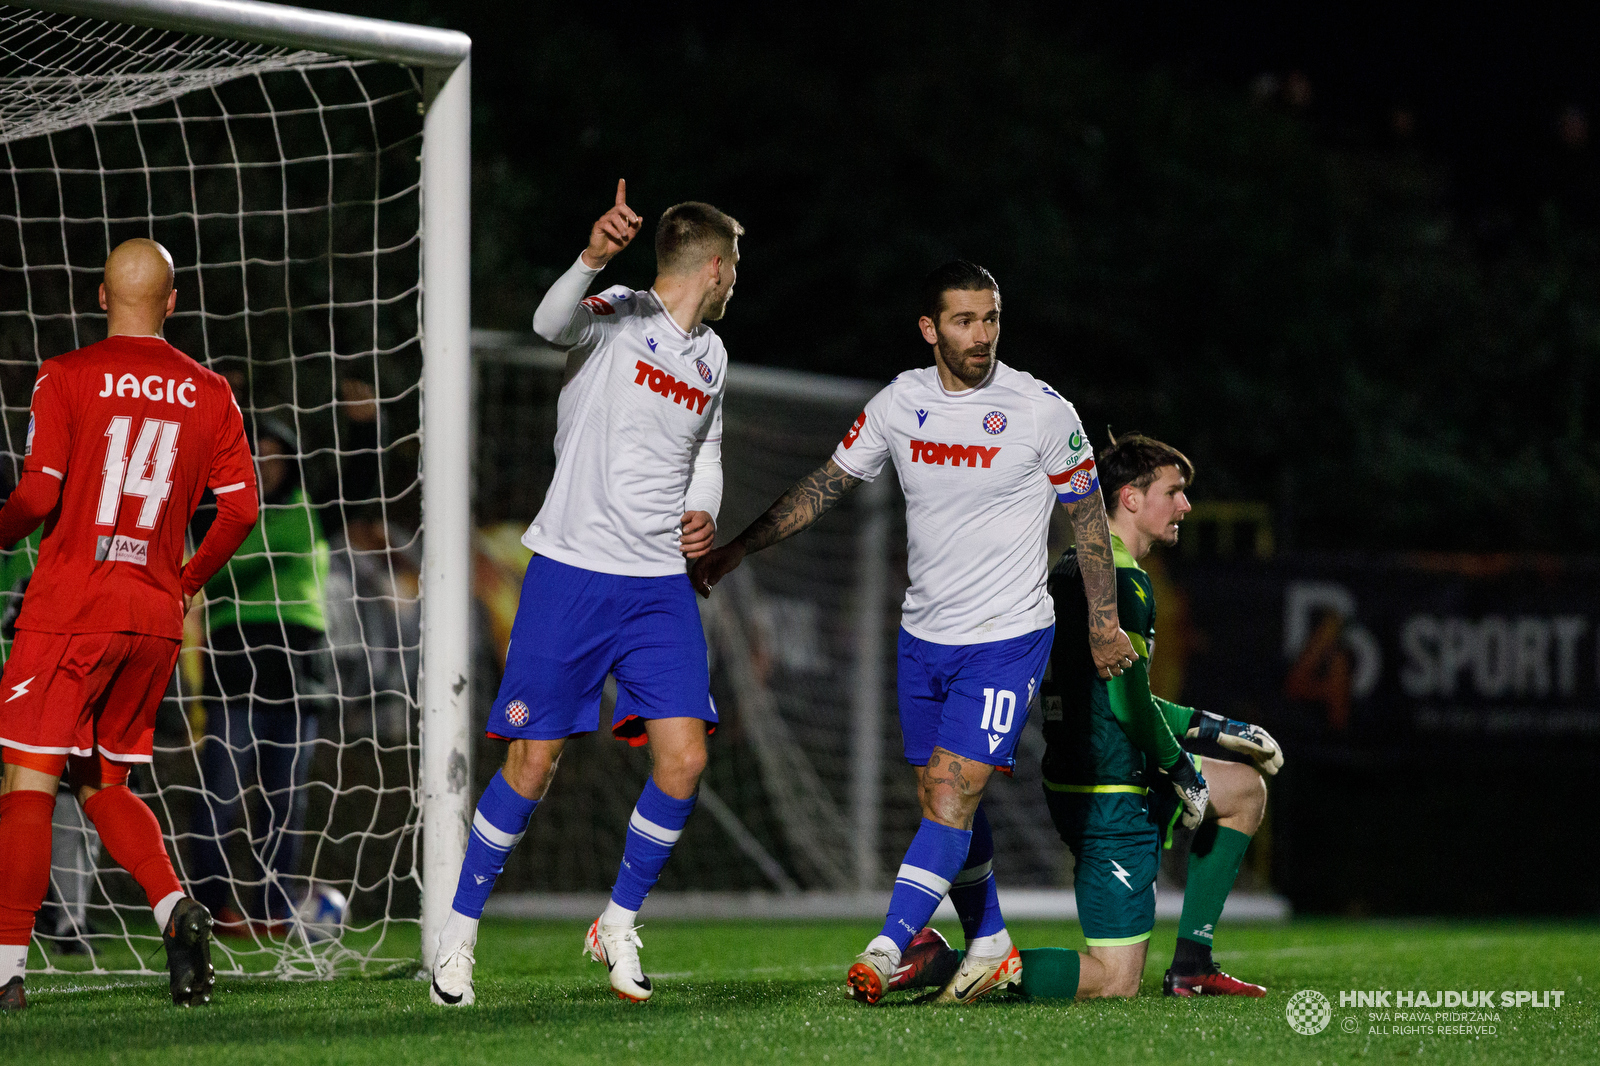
pixel 187 939
pixel 870 975
pixel 928 962
pixel 978 976
pixel 618 947
pixel 452 976
pixel 1211 983
pixel 12 997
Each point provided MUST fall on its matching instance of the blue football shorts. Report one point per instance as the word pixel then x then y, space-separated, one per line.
pixel 969 699
pixel 574 627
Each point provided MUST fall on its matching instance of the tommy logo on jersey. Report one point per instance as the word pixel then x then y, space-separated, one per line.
pixel 1073 485
pixel 664 384
pixel 994 422
pixel 974 455
pixel 599 306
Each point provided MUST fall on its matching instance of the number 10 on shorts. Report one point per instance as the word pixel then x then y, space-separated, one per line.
pixel 999 709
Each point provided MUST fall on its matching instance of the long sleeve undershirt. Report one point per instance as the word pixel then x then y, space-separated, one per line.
pixel 35 496
pixel 236 516
pixel 705 480
pixel 557 319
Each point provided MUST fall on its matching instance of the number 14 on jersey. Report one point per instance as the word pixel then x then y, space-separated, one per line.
pixel 147 474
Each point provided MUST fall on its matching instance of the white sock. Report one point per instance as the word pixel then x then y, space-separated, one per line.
pixel 617 915
pixel 13 961
pixel 993 946
pixel 887 946
pixel 164 908
pixel 458 929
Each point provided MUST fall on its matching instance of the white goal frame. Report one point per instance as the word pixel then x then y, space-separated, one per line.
pixel 446 682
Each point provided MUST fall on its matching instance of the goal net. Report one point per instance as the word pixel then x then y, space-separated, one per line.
pixel 286 181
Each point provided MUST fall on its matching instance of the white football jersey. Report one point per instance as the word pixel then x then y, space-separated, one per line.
pixel 630 423
pixel 980 470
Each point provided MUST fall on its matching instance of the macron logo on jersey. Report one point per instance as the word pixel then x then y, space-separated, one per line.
pixel 974 455
pixel 664 384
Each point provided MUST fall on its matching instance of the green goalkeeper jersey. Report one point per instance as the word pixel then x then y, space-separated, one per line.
pixel 1098 732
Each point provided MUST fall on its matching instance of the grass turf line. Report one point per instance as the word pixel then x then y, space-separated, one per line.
pixel 741 992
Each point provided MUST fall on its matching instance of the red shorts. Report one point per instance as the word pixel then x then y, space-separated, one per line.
pixel 81 693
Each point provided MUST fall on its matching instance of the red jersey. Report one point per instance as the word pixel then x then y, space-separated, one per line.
pixel 136 431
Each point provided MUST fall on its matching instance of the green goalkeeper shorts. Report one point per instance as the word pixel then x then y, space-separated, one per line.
pixel 1117 849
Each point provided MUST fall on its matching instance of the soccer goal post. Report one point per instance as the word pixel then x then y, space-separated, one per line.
pixel 310 173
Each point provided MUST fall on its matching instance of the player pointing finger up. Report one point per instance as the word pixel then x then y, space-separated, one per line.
pixel 613 232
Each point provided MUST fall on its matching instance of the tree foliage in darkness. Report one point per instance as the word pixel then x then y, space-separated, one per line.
pixel 1313 325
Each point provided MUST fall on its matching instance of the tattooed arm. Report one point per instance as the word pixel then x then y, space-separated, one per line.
pixel 1112 650
pixel 811 498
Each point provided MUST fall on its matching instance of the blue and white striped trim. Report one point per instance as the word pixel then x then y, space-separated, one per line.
pixel 926 880
pixel 492 835
pixel 973 875
pixel 660 834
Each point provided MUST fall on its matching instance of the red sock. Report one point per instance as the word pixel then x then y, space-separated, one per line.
pixel 130 832
pixel 25 843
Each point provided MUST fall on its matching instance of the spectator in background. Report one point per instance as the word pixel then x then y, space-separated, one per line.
pixel 268 678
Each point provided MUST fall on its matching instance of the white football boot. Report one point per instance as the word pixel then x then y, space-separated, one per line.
pixel 618 947
pixel 452 977
pixel 978 975
pixel 870 975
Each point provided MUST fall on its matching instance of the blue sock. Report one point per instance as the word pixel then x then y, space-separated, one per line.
pixel 932 862
pixel 973 892
pixel 655 826
pixel 498 824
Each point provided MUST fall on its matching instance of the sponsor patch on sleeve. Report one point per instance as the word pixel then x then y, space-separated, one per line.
pixel 599 306
pixel 1074 484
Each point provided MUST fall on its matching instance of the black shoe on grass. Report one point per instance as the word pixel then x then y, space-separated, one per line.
pixel 187 939
pixel 12 997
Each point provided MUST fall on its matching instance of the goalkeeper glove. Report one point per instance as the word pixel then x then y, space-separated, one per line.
pixel 1192 790
pixel 1251 741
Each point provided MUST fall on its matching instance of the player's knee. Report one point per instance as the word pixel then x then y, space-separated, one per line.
pixel 528 769
pixel 1254 802
pixel 678 770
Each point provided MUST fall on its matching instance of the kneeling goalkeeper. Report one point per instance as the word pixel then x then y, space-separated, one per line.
pixel 1117 779
pixel 1115 776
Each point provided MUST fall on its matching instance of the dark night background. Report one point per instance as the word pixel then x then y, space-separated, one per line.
pixel 1348 260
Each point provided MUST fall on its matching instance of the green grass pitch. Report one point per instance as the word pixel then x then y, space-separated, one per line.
pixel 748 992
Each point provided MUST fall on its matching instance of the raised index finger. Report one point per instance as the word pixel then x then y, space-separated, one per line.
pixel 622 192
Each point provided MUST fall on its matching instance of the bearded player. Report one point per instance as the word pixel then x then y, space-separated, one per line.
pixel 637 485
pixel 123 438
pixel 983 453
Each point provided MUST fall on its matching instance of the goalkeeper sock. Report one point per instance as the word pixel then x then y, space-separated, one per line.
pixel 498 823
pixel 1212 870
pixel 655 826
pixel 973 892
pixel 25 843
pixel 129 831
pixel 932 861
pixel 1050 973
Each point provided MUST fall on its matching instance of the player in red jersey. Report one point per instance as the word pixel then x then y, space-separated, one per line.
pixel 123 438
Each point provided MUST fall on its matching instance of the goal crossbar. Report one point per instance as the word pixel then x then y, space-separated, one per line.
pixel 277 24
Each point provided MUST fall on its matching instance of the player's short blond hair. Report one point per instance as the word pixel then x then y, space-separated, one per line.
pixel 691 233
